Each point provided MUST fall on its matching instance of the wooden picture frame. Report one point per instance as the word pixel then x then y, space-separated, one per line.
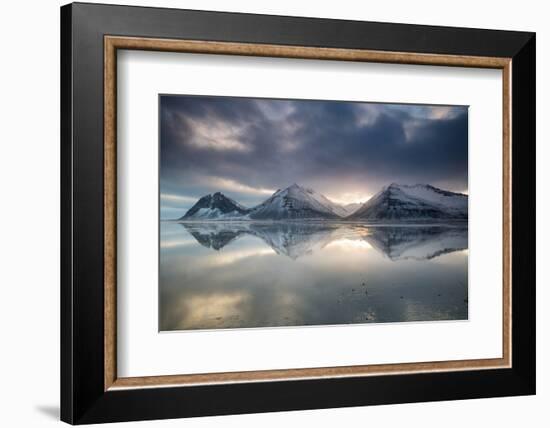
pixel 91 390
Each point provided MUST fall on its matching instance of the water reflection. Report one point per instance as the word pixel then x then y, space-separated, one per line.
pixel 248 274
pixel 295 240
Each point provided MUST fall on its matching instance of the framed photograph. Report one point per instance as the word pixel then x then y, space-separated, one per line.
pixel 280 256
pixel 266 213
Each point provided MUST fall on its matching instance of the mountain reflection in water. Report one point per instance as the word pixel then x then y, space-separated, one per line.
pixel 295 240
pixel 253 274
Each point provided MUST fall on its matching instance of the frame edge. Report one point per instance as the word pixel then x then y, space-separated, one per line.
pixel 66 306
pixel 524 215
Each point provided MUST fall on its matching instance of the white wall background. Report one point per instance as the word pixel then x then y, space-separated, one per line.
pixel 29 217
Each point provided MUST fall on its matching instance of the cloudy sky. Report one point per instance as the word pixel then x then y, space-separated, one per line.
pixel 247 148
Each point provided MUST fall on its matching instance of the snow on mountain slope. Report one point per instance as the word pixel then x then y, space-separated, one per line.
pixel 414 202
pixel 351 208
pixel 296 202
pixel 393 203
pixel 437 196
pixel 215 207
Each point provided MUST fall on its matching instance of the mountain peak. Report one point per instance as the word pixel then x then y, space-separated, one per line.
pixel 297 202
pixel 215 206
pixel 295 189
pixel 413 202
pixel 219 196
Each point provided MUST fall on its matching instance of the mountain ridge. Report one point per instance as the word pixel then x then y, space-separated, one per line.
pixel 394 202
pixel 413 202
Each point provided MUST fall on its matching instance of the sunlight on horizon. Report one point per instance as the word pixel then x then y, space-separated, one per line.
pixel 349 198
pixel 349 244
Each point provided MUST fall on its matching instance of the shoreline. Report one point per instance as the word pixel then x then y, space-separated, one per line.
pixel 457 223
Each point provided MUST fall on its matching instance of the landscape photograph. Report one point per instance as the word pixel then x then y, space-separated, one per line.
pixel 288 213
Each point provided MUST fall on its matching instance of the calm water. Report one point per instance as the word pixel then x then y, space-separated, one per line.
pixel 231 275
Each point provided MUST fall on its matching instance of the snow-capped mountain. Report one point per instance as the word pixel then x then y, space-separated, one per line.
pixel 419 202
pixel 414 202
pixel 297 202
pixel 215 207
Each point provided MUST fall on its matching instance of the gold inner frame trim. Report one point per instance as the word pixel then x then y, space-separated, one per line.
pixel 113 43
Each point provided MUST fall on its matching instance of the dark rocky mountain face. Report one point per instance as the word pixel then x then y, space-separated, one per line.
pixel 418 202
pixel 213 206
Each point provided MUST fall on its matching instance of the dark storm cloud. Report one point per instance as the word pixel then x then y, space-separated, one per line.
pixel 248 148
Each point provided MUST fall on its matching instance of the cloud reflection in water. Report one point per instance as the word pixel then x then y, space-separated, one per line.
pixel 288 274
